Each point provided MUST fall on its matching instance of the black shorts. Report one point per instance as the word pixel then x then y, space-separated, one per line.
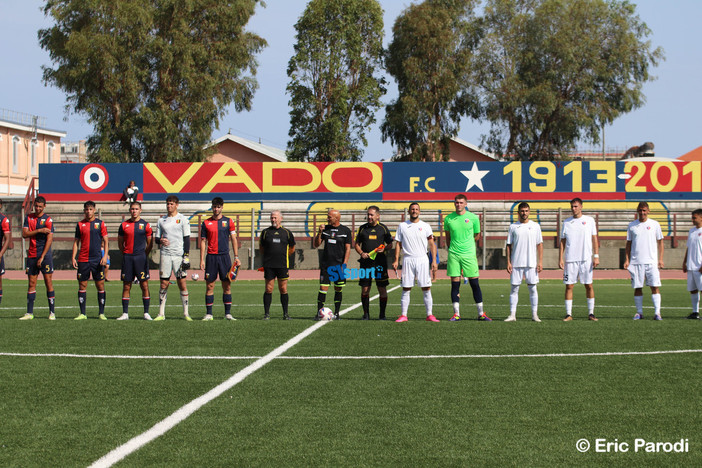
pixel 47 266
pixel 135 266
pixel 217 265
pixel 91 267
pixel 273 273
pixel 324 279
pixel 381 276
pixel 2 266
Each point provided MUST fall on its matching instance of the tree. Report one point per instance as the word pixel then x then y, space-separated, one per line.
pixel 333 91
pixel 429 57
pixel 153 76
pixel 552 72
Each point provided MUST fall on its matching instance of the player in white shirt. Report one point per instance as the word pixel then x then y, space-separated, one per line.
pixel 643 257
pixel 525 254
pixel 692 265
pixel 173 237
pixel 576 258
pixel 413 236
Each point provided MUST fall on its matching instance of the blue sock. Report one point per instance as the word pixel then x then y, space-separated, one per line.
pixel 31 297
pixel 101 302
pixel 147 302
pixel 50 295
pixel 125 305
pixel 209 300
pixel 455 289
pixel 82 297
pixel 477 293
pixel 227 299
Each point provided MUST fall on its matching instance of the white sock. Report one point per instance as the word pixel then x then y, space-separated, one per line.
pixel 428 301
pixel 569 306
pixel 591 306
pixel 695 302
pixel 479 306
pixel 184 299
pixel 405 302
pixel 162 295
pixel 656 299
pixel 456 309
pixel 513 300
pixel 638 302
pixel 534 298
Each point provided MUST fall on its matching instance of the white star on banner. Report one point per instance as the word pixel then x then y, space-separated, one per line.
pixel 475 177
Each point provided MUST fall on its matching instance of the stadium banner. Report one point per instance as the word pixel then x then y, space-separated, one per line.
pixel 370 181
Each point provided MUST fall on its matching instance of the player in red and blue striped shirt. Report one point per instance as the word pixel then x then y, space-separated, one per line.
pixel 5 238
pixel 216 233
pixel 90 242
pixel 135 239
pixel 39 229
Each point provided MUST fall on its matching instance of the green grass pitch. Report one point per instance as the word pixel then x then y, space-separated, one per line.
pixel 352 393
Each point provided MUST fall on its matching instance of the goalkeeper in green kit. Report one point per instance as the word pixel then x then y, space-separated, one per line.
pixel 462 231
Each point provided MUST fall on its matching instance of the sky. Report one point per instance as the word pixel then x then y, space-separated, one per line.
pixel 670 118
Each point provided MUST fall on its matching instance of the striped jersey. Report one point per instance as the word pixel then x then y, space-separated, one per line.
pixel 37 243
pixel 4 227
pixel 135 235
pixel 90 234
pixel 217 233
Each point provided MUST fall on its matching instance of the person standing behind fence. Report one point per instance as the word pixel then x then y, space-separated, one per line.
pixel 90 244
pixel 135 240
pixel 643 257
pixel 173 238
pixel 372 239
pixel 337 247
pixel 576 258
pixel 462 232
pixel 216 233
pixel 525 256
pixel 692 264
pixel 39 229
pixel 276 244
pixel 5 239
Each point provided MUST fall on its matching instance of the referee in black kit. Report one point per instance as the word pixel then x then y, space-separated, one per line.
pixel 372 239
pixel 335 255
pixel 276 244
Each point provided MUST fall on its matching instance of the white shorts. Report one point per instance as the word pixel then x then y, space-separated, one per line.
pixel 647 274
pixel 169 264
pixel 524 273
pixel 578 271
pixel 416 268
pixel 694 280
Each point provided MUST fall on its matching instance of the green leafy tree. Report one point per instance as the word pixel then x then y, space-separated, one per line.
pixel 153 76
pixel 550 73
pixel 429 57
pixel 333 91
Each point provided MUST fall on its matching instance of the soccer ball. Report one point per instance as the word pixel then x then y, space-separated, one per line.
pixel 326 313
pixel 195 276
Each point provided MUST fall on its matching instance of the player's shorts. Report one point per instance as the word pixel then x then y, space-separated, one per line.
pixel 380 274
pixel 91 267
pixel 273 273
pixel 169 264
pixel 644 275
pixel 694 280
pixel 524 273
pixel 217 265
pixel 2 266
pixel 325 281
pixel 47 266
pixel 467 264
pixel 416 269
pixel 578 271
pixel 135 267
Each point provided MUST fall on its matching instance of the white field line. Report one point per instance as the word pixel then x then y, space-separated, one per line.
pixel 359 358
pixel 185 411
